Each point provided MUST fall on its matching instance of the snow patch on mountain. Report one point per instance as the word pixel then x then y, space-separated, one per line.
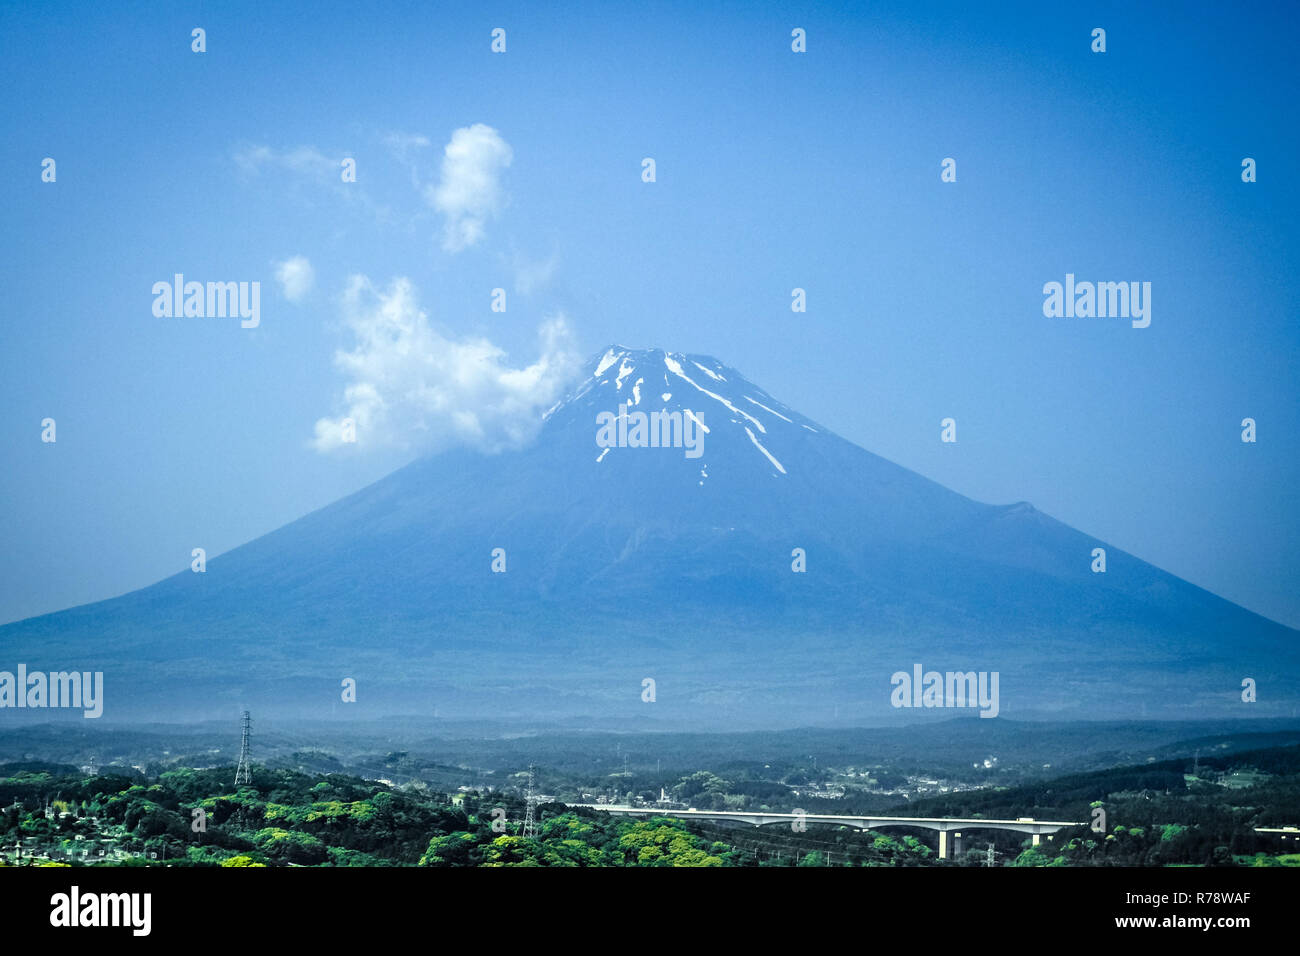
pixel 609 359
pixel 759 445
pixel 675 367
pixel 766 409
pixel 695 418
pixel 708 371
pixel 624 371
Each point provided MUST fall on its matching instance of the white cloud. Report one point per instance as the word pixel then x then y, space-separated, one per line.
pixel 469 192
pixel 296 277
pixel 411 386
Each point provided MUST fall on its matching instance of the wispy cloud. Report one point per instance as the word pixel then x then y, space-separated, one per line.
pixel 309 175
pixel 305 160
pixel 469 192
pixel 410 386
pixel 532 275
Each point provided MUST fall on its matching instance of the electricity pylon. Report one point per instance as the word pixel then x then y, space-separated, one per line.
pixel 244 772
pixel 530 824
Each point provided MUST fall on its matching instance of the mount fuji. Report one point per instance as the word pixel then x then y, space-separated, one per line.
pixel 626 565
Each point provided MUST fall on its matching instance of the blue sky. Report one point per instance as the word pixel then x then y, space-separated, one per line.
pixel 775 170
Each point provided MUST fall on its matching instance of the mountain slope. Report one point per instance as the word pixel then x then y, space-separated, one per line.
pixel 626 563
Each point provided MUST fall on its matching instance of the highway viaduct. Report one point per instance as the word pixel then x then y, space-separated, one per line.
pixel 944 825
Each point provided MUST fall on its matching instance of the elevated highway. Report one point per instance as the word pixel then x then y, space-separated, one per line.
pixel 944 825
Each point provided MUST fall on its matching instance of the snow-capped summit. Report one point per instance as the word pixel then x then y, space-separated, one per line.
pixel 708 398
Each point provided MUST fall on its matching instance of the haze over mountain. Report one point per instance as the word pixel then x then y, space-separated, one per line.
pixel 629 563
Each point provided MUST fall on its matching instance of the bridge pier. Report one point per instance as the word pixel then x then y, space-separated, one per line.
pixel 943 844
pixel 1036 838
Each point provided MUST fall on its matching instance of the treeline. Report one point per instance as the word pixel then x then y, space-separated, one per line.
pixel 196 818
